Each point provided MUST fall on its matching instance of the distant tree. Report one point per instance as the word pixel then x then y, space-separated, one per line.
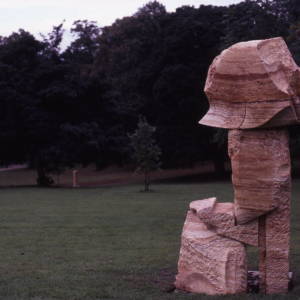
pixel 145 151
pixel 151 9
pixel 103 102
pixel 54 39
pixel 83 48
pixel 52 113
pixel 157 62
pixel 219 150
pixel 291 11
pixel 253 20
pixel 19 61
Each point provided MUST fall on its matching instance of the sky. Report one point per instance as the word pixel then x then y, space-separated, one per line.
pixel 39 16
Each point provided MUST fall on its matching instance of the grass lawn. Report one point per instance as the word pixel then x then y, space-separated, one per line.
pixel 107 242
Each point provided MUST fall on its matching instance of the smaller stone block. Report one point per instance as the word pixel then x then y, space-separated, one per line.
pixel 212 213
pixel 245 233
pixel 208 262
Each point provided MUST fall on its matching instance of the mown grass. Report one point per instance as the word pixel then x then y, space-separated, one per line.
pixel 106 243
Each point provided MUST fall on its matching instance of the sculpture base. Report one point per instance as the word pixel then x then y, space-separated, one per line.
pixel 253 281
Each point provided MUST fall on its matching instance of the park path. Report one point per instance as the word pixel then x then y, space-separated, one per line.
pixel 13 167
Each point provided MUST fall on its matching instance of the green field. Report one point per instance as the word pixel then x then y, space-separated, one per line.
pixel 107 242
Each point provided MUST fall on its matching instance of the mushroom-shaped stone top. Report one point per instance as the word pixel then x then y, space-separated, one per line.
pixel 253 84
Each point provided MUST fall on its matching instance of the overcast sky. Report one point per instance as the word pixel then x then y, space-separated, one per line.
pixel 39 16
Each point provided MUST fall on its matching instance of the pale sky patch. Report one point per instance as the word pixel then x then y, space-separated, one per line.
pixel 39 16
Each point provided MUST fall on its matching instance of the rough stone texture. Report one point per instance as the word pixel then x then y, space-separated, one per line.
pixel 253 84
pixel 219 218
pixel 277 229
pixel 246 233
pixel 260 162
pixel 213 213
pixel 261 179
pixel 203 207
pixel 208 262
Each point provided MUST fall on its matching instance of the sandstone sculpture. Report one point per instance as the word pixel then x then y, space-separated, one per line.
pixel 253 84
pixel 254 91
pixel 210 263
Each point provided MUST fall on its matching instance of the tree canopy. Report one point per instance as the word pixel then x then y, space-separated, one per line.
pixel 58 108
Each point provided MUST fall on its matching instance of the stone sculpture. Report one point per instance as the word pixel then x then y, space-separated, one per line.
pixel 254 91
pixel 210 263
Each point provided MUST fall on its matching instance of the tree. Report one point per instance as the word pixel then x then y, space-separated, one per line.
pixel 191 40
pixel 219 150
pixel 157 62
pixel 19 60
pixel 84 47
pixel 291 11
pixel 145 151
pixel 54 39
pixel 52 112
pixel 253 20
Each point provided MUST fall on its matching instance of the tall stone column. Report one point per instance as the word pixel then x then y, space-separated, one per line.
pixel 261 177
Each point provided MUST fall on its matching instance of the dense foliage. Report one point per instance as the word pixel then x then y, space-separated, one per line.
pixel 58 107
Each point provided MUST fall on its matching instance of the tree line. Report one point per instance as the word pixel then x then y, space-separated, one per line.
pixel 59 108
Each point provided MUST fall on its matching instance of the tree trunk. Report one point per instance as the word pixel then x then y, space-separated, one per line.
pixel 42 179
pixel 219 154
pixel 219 164
pixel 146 181
pixel 32 162
pixel 119 161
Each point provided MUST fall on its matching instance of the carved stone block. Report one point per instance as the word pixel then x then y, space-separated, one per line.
pixel 275 263
pixel 253 84
pixel 208 262
pixel 246 233
pixel 213 213
pixel 260 171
